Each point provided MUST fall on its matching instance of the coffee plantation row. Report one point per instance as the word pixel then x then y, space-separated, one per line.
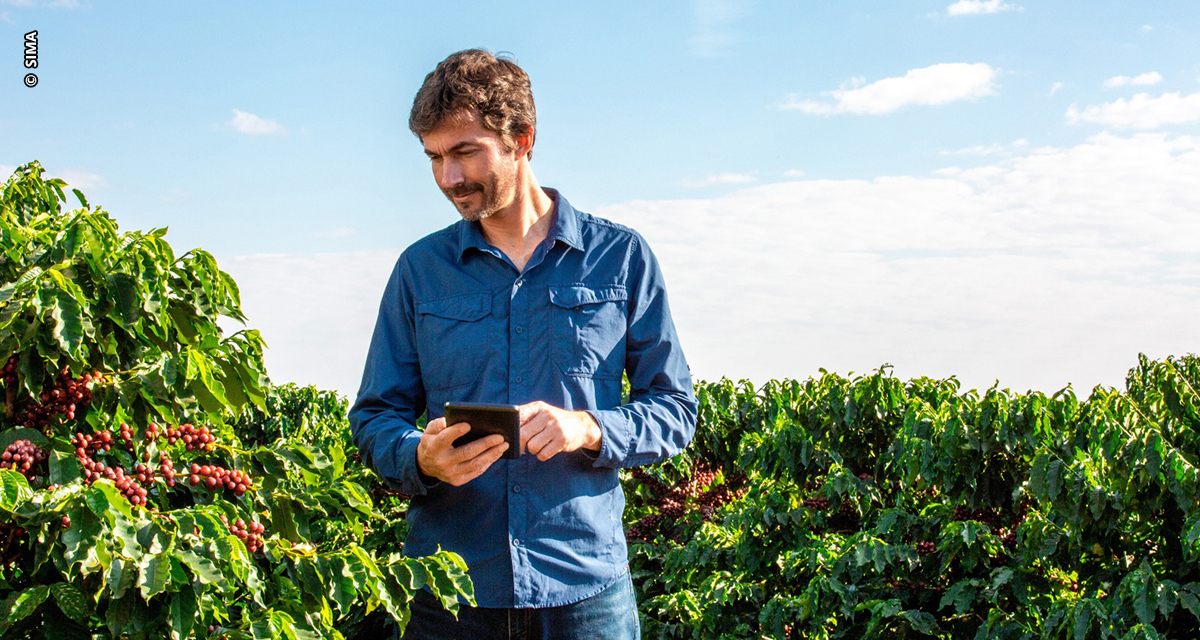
pixel 154 484
pixel 873 507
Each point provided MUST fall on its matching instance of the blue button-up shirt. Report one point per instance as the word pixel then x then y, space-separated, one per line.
pixel 459 322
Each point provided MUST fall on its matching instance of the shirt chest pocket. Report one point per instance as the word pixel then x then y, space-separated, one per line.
pixel 588 326
pixel 453 343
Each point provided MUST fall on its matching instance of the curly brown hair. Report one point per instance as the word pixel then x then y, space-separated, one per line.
pixel 476 81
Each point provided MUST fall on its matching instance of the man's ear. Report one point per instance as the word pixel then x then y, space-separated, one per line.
pixel 524 141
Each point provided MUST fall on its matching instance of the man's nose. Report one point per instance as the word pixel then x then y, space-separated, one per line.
pixel 451 174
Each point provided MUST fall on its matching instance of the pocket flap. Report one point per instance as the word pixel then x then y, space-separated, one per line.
pixel 468 307
pixel 569 296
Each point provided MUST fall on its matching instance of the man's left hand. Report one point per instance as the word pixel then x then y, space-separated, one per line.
pixel 547 430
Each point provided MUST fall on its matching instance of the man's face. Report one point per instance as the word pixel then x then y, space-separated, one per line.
pixel 471 166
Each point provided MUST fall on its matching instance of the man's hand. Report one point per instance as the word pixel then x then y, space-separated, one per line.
pixel 547 430
pixel 438 457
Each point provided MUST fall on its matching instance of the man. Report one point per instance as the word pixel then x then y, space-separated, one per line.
pixel 524 301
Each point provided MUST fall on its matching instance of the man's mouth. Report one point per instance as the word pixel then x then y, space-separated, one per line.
pixel 458 195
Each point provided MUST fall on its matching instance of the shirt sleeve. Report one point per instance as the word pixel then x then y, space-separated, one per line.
pixel 391 396
pixel 660 418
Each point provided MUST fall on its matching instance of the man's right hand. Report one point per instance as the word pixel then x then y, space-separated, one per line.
pixel 439 458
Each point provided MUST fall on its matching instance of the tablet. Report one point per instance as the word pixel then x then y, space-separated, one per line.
pixel 486 419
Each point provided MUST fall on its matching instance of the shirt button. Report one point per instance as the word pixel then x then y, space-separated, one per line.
pixel 519 329
pixel 516 488
pixel 519 380
pixel 516 542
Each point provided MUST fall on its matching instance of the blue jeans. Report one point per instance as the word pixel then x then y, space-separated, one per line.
pixel 608 615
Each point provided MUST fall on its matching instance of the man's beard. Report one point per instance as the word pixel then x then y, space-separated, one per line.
pixel 497 194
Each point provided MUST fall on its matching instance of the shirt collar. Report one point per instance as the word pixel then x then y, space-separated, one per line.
pixel 563 226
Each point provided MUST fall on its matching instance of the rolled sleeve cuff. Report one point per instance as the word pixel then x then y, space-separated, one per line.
pixel 411 480
pixel 616 431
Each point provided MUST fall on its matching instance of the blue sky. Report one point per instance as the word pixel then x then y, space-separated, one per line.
pixel 986 188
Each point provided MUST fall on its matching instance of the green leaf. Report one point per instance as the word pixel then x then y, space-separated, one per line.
pixel 183 613
pixel 28 602
pixel 155 575
pixel 961 595
pixel 1190 602
pixel 103 495
pixel 120 577
pixel 70 601
pixel 203 568
pixel 341 584
pixel 69 323
pixel 1054 478
pixel 14 490
pixel 921 621
pixel 122 291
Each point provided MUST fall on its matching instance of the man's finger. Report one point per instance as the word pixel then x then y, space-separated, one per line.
pixel 473 450
pixel 529 430
pixel 475 467
pixel 546 445
pixel 436 426
pixel 527 412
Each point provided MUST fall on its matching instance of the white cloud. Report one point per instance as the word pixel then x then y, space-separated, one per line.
pixel 712 31
pixel 978 150
pixel 340 232
pixel 934 85
pixel 251 124
pixel 719 178
pixel 316 312
pixel 1147 28
pixel 1037 270
pixel 994 149
pixel 1055 87
pixel 1144 79
pixel 977 7
pixel 794 173
pixel 1140 112
pixel 82 180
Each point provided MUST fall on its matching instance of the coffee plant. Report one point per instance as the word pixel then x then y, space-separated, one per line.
pixel 871 507
pixel 144 492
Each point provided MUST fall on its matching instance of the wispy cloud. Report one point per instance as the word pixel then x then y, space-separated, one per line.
pixel 82 180
pixel 978 7
pixel 62 4
pixel 1054 88
pixel 1144 79
pixel 1140 112
pixel 251 124
pixel 927 86
pixel 719 178
pixel 794 173
pixel 340 232
pixel 994 149
pixel 713 32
